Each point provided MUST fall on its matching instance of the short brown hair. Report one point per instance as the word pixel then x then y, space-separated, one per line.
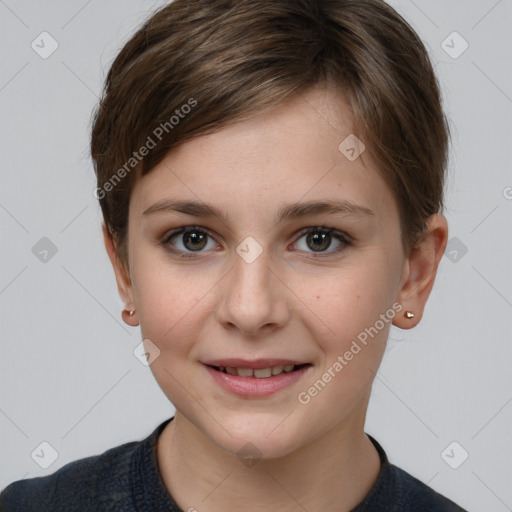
pixel 230 59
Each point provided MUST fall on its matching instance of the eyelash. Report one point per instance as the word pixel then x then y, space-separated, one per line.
pixel 341 237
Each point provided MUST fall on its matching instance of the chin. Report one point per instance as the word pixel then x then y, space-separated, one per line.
pixel 258 435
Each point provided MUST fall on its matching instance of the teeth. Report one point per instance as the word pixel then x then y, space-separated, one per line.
pixel 260 373
pixel 276 370
pixel 245 372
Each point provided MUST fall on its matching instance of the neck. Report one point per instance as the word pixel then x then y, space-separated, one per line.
pixel 333 472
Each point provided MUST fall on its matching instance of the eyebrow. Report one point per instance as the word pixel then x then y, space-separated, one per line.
pixel 289 211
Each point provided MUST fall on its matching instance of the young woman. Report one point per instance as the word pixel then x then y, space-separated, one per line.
pixel 271 177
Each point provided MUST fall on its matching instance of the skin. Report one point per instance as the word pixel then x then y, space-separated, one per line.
pixel 293 301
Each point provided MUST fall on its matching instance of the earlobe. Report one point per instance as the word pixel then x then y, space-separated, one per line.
pixel 420 272
pixel 129 318
pixel 123 280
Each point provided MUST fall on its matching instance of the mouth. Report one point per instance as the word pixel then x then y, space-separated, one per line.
pixel 253 379
pixel 259 373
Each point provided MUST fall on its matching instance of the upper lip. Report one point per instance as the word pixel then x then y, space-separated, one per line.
pixel 254 364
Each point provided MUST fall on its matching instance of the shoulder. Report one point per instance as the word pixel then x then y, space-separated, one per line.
pixel 398 491
pixel 79 485
pixel 415 495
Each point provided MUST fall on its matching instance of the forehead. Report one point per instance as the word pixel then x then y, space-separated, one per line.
pixel 286 154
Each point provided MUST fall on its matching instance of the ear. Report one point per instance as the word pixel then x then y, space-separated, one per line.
pixel 419 271
pixel 124 284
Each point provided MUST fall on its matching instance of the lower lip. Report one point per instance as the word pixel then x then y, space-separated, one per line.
pixel 254 387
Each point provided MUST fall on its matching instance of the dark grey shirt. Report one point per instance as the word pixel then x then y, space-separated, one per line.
pixel 126 479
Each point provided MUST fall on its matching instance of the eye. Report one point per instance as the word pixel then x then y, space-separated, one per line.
pixel 319 239
pixel 193 239
pixel 189 240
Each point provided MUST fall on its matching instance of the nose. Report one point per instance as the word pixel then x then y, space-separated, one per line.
pixel 254 298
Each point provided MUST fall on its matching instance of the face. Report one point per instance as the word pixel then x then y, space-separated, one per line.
pixel 251 289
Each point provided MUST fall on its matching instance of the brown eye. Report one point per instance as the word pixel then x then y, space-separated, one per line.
pixel 194 241
pixel 187 240
pixel 319 239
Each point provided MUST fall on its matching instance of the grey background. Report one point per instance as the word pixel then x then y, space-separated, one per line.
pixel 68 375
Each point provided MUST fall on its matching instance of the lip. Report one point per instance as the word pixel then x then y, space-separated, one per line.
pixel 255 364
pixel 252 387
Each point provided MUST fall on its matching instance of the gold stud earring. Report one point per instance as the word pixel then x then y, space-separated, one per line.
pixel 409 314
pixel 127 314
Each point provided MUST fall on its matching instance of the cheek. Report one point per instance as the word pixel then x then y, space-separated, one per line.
pixel 351 305
pixel 352 298
pixel 171 308
pixel 357 305
pixel 168 304
pixel 355 310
